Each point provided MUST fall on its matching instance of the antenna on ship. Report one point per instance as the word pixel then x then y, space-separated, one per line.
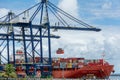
pixel 103 57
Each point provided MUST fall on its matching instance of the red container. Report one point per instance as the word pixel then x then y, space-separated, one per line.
pixel 56 65
pixel 60 51
pixel 19 68
pixel 37 59
pixel 74 60
pixel 62 60
pixel 80 65
pixel 19 52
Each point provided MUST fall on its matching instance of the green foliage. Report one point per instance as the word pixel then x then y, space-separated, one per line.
pixel 13 75
pixel 9 72
pixel 47 77
pixel 9 69
pixel 3 74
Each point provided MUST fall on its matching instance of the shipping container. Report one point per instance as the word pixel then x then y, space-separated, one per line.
pixel 82 61
pixel 56 67
pixel 80 65
pixel 54 59
pixel 74 60
pixel 62 60
pixel 62 65
pixel 17 61
pixel 74 65
pixel 19 68
pixel 37 59
pixel 56 64
pixel 69 65
pixel 60 51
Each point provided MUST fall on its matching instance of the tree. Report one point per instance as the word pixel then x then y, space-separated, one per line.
pixel 9 71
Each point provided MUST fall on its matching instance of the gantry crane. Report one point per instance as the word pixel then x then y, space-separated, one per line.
pixel 33 31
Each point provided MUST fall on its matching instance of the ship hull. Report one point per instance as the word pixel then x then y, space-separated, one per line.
pixel 99 72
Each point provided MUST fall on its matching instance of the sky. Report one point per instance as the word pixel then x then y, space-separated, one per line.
pixel 102 14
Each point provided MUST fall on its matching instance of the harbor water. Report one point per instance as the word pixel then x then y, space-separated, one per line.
pixel 114 78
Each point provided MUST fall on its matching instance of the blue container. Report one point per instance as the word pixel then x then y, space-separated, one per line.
pixel 1 68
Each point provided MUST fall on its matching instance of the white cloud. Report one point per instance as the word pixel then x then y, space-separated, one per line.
pixel 102 13
pixel 103 9
pixel 107 5
pixel 90 45
pixel 69 6
pixel 107 9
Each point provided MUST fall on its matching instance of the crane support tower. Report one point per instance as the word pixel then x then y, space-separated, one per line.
pixel 31 30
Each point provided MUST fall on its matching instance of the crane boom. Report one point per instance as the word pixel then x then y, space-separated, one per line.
pixel 26 25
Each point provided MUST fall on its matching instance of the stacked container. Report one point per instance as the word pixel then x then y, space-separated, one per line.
pixel 69 65
pixel 37 59
pixel 19 68
pixel 74 65
pixel 81 62
pixel 74 62
pixel 56 65
pixel 62 65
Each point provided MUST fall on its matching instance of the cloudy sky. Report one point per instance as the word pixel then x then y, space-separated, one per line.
pixel 104 14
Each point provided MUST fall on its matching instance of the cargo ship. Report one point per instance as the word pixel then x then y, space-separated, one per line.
pixel 82 68
pixel 70 67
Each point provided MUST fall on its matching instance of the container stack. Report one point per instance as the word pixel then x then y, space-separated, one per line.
pixel 67 63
